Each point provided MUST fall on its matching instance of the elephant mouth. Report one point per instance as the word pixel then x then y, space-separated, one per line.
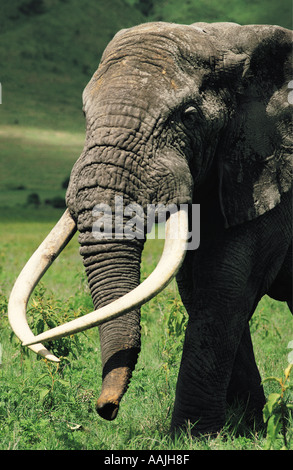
pixel 173 255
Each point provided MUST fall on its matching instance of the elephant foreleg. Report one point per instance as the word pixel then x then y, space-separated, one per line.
pixel 245 382
pixel 281 288
pixel 220 285
pixel 209 352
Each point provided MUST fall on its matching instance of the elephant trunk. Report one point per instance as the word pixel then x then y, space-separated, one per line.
pixel 176 234
pixel 113 269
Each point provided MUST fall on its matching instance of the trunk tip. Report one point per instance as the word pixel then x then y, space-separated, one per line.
pixel 114 386
pixel 107 409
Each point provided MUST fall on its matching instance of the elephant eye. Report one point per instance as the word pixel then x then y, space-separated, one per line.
pixel 189 116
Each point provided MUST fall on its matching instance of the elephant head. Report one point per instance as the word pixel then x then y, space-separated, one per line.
pixel 171 110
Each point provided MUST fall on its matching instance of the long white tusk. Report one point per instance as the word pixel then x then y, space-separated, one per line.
pixel 32 272
pixel 171 260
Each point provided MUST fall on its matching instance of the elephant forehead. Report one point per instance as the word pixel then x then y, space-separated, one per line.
pixel 135 89
pixel 170 53
pixel 133 73
pixel 137 69
pixel 179 41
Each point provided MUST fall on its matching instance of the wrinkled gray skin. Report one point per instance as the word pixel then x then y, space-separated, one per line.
pixel 182 114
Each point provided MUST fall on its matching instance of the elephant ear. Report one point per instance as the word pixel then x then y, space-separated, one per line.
pixel 255 164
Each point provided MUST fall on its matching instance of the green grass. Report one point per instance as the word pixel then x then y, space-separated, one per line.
pixel 237 11
pixel 35 160
pixel 48 54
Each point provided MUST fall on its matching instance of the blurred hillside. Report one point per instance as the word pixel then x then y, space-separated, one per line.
pixel 50 48
pixel 238 11
pixel 48 51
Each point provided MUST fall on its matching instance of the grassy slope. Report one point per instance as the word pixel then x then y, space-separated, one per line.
pixel 238 11
pixel 47 58
pixel 36 160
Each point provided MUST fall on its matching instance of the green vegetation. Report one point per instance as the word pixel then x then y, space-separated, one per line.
pixel 277 410
pixel 34 160
pixel 238 11
pixel 48 51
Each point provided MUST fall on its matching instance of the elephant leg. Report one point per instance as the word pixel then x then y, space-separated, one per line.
pixel 220 285
pixel 209 352
pixel 219 292
pixel 245 382
pixel 281 288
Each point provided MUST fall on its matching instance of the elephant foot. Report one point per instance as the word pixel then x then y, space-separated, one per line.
pixel 243 415
pixel 206 420
pixel 250 401
pixel 194 428
pixel 245 388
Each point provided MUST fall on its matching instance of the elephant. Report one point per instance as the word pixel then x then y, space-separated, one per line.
pixel 182 115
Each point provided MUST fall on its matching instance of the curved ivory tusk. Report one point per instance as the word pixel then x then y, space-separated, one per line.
pixel 32 272
pixel 171 260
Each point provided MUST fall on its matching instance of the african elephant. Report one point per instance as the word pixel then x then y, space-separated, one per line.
pixel 183 115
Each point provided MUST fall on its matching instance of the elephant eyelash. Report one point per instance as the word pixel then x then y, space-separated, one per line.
pixel 190 110
pixel 189 116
